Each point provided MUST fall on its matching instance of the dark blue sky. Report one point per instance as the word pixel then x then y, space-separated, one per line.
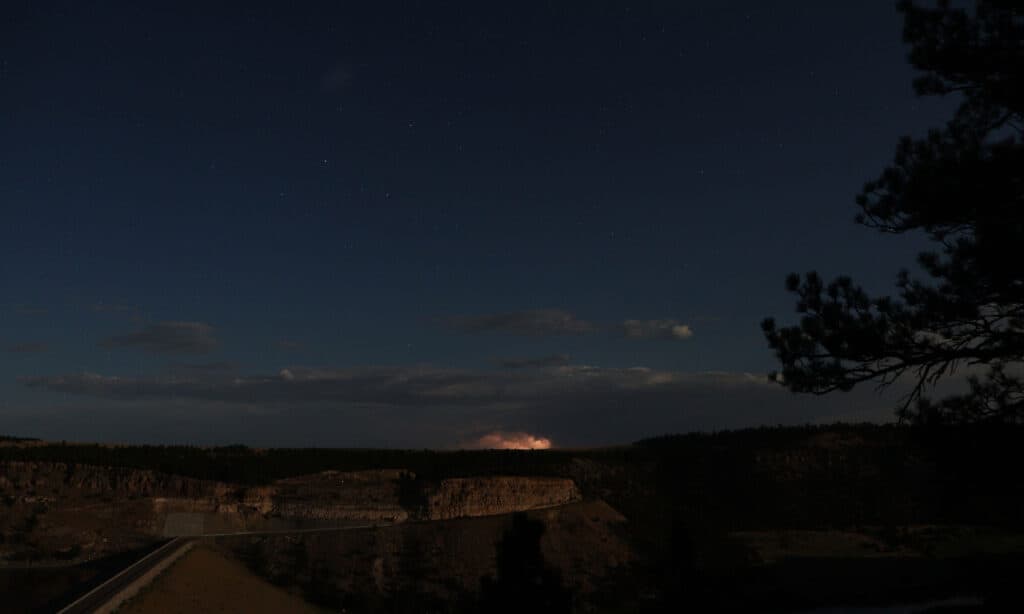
pixel 408 224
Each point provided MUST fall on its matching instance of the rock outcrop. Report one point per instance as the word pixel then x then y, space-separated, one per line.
pixel 435 563
pixel 487 496
pixel 97 509
pixel 29 478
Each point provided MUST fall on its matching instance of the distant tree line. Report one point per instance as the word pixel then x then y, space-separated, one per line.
pixel 243 465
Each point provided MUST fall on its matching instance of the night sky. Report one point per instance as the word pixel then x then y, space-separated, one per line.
pixel 377 224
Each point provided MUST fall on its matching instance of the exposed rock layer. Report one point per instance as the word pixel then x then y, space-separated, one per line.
pixel 75 512
pixel 486 496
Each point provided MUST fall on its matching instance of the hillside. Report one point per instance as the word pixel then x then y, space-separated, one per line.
pixel 676 519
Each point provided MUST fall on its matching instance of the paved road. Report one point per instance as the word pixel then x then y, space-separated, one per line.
pixel 99 596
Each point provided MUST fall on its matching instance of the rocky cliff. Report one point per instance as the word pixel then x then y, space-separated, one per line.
pixel 62 512
pixel 486 496
pixel 433 564
pixel 77 512
pixel 21 479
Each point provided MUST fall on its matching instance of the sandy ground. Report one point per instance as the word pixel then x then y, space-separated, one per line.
pixel 204 581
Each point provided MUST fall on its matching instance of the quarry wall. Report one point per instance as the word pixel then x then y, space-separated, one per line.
pixel 487 496
pixel 95 501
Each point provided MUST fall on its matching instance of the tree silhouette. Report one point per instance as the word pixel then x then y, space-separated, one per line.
pixel 523 582
pixel 963 186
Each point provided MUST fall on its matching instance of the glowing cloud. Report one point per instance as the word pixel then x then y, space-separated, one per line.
pixel 499 440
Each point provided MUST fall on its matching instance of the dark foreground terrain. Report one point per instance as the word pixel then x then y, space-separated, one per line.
pixel 778 519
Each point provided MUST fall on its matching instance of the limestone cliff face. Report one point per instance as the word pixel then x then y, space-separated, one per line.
pixel 27 478
pixel 487 496
pixel 89 511
pixel 67 512
pixel 331 495
pixel 295 500
pixel 371 495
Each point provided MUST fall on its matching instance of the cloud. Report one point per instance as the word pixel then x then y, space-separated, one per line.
pixel 554 360
pixel 28 347
pixel 402 386
pixel 656 329
pixel 27 309
pixel 544 322
pixel 423 405
pixel 204 370
pixel 168 338
pixel 101 307
pixel 289 345
pixel 535 322
pixel 499 440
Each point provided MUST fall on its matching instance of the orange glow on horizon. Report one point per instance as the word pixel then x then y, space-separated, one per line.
pixel 499 440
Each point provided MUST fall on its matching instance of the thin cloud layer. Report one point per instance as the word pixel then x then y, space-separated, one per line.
pixel 28 347
pixel 547 322
pixel 533 322
pixel 418 406
pixel 554 360
pixel 204 370
pixel 168 338
pixel 656 329
pixel 402 386
pixel 101 307
pixel 26 309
